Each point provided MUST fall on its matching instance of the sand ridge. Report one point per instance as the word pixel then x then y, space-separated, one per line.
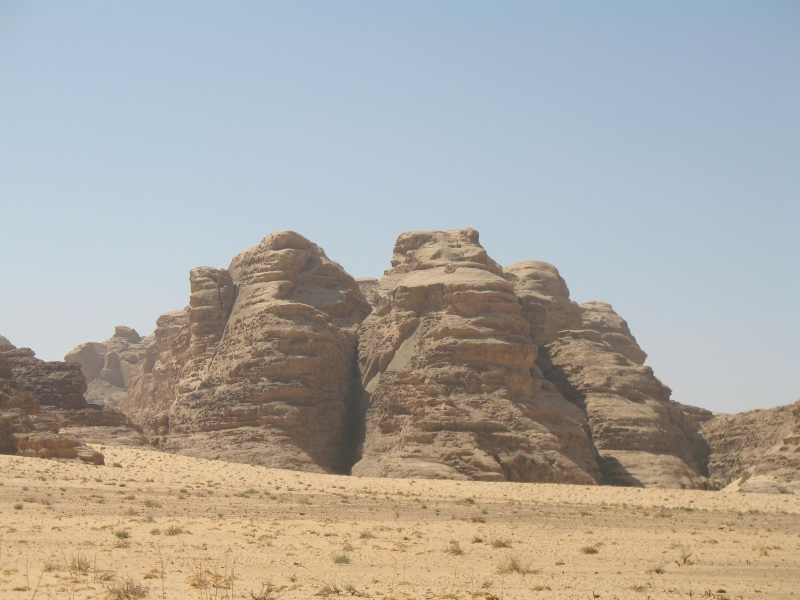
pixel 219 529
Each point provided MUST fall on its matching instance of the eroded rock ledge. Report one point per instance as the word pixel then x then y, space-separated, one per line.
pixel 449 366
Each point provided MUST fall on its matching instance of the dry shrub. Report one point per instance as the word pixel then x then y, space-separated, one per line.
pixel 126 589
pixel 78 563
pixel 476 539
pixel 589 550
pixel 478 519
pixel 500 543
pixel 684 555
pixel 454 548
pixel 174 530
pixel 366 534
pixel 329 589
pixel 662 513
pixel 268 592
pixel 512 564
pixel 539 588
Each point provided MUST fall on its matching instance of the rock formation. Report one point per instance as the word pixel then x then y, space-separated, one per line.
pixel 107 366
pixel 260 368
pixel 642 437
pixel 448 369
pixel 761 443
pixel 27 384
pixel 45 413
pixel 449 366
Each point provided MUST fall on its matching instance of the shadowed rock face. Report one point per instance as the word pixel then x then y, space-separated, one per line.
pixel 642 437
pixel 261 366
pixel 446 362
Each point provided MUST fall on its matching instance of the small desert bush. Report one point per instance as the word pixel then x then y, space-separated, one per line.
pixel 267 592
pixel 174 530
pixel 454 548
pixel 122 534
pixel 78 563
pixel 18 506
pixel 155 531
pixel 589 550
pixel 127 589
pixel 151 504
pixel 478 519
pixel 500 543
pixel 476 539
pixel 513 564
pixel 329 589
pixel 341 559
pixel 366 534
pixel 684 555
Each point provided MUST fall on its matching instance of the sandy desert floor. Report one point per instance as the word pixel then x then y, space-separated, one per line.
pixel 175 527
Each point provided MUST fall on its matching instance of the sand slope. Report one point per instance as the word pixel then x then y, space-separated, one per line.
pixel 402 538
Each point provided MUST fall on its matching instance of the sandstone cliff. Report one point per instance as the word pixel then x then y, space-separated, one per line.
pixel 449 366
pixel 28 388
pixel 642 437
pixel 448 369
pixel 758 442
pixel 260 368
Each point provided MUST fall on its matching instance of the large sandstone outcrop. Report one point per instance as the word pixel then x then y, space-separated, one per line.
pixel 108 366
pixel 448 368
pixel 758 442
pixel 32 395
pixel 260 368
pixel 642 437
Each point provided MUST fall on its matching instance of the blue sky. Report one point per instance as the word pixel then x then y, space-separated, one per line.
pixel 650 150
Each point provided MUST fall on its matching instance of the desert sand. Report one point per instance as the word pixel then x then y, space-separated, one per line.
pixel 174 526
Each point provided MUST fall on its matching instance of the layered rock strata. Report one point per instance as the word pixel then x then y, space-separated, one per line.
pixel 260 368
pixel 760 443
pixel 643 438
pixel 33 394
pixel 451 389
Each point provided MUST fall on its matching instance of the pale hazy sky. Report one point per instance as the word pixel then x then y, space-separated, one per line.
pixel 650 150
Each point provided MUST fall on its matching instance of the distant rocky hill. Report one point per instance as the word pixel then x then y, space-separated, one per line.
pixel 43 411
pixel 449 366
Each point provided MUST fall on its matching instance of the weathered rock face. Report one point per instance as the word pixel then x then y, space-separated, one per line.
pixel 32 395
pixel 643 437
pixel 108 366
pixel 763 443
pixel 261 367
pixel 451 388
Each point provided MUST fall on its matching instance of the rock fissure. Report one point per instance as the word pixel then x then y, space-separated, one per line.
pixel 449 366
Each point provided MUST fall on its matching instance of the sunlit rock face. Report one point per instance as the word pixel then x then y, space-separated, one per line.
pixel 260 368
pixel 448 369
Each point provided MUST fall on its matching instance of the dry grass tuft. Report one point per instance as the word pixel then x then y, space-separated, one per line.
pixel 512 564
pixel 174 530
pixel 589 550
pixel 500 543
pixel 454 548
pixel 126 589
pixel 268 592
